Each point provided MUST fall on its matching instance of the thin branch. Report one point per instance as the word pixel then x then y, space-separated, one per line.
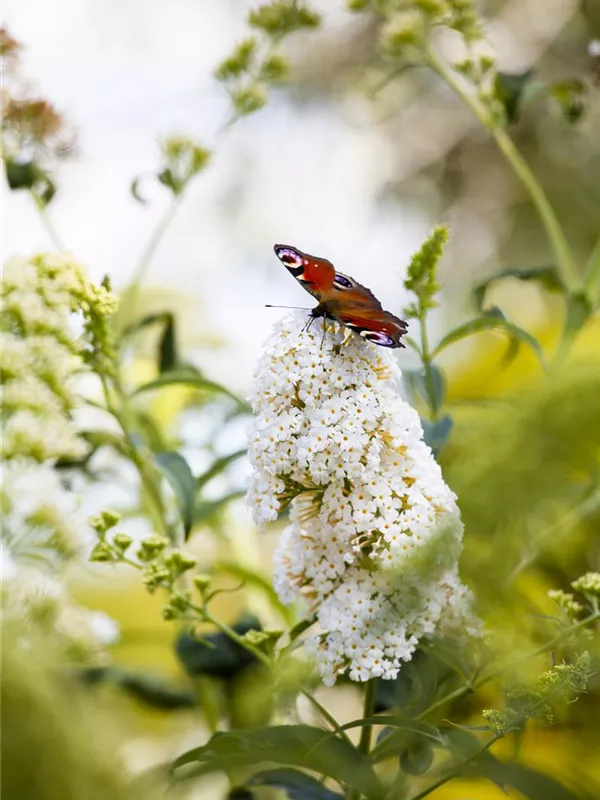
pixel 562 251
pixel 459 768
pixel 483 679
pixel 42 208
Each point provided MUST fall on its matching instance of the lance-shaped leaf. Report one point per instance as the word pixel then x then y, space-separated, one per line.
pixel 217 467
pixel 436 433
pixel 300 746
pixel 297 785
pixel 429 386
pixel 404 734
pixel 494 319
pixel 177 471
pixel 546 276
pixel 192 379
pixel 167 346
pixel 528 782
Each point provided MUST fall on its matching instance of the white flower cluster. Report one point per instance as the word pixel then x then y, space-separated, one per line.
pixel 41 519
pixel 375 532
pixel 40 606
pixel 41 354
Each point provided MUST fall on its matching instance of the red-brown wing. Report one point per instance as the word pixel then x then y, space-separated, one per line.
pixel 376 325
pixel 357 307
pixel 314 274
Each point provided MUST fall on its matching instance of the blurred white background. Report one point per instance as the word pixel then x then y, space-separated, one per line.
pixel 125 74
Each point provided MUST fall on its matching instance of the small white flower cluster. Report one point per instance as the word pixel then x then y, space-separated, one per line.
pixel 41 519
pixel 375 532
pixel 40 606
pixel 41 354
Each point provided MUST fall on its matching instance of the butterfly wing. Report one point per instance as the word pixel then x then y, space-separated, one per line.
pixel 314 274
pixel 356 307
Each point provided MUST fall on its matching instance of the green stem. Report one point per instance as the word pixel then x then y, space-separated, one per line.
pixel 264 659
pixel 426 358
pixel 149 477
pixel 335 725
pixel 364 744
pixel 592 275
pixel 458 769
pixel 482 680
pixel 564 257
pixel 130 295
pixel 235 637
pixel 156 238
pixel 46 221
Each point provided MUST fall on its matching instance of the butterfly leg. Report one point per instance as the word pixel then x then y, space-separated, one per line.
pixel 324 331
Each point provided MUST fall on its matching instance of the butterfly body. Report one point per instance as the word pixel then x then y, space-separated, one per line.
pixel 341 298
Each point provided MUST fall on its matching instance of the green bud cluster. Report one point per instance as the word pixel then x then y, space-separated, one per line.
pixel 264 640
pixel 588 585
pixel 183 158
pixel 422 272
pixel 282 17
pixel 112 549
pixel 104 522
pixel 162 567
pixel 255 64
pixel 566 602
pixel 402 31
pixel 556 686
pixel 177 604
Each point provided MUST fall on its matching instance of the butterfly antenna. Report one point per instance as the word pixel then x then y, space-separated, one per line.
pixel 297 308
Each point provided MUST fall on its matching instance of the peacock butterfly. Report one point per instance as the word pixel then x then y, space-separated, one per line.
pixel 341 298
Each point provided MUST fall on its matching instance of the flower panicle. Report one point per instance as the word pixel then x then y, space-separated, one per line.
pixel 374 531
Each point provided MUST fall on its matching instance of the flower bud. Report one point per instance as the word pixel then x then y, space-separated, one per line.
pixel 103 552
pixel 122 541
pixel 202 582
pixel 151 546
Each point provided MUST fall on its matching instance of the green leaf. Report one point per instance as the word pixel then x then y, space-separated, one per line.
pixel 436 433
pixel 216 655
pixel 293 745
pixel 414 688
pixel 149 689
pixel 528 782
pixel 416 383
pixel 168 178
pixel 417 758
pixel 579 309
pixel 509 91
pixel 297 785
pixel 547 277
pixel 167 346
pixel 135 191
pixel 27 175
pixel 177 471
pixel 217 467
pixel 192 379
pixel 405 734
pixel 494 319
pixel 570 95
pixel 204 511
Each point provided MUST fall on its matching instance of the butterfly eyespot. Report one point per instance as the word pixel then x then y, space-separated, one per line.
pixel 341 281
